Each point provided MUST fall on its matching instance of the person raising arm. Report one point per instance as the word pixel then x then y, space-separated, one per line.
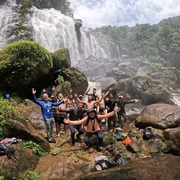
pixel 93 125
pixel 46 110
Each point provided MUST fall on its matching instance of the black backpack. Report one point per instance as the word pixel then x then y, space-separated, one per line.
pixel 148 134
pixel 6 149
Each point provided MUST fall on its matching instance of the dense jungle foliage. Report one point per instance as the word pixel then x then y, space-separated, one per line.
pixel 159 43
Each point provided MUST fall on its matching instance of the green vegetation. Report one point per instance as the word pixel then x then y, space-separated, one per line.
pixel 21 61
pixel 36 149
pixel 133 132
pixel 60 62
pixel 108 139
pixel 157 44
pixel 12 174
pixel 29 175
pixel 60 58
pixel 8 111
pixel 163 146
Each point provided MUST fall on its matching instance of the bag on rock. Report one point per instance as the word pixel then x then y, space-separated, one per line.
pixel 6 149
pixel 127 141
pixel 148 134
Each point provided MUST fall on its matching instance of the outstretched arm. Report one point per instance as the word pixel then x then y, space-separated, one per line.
pixel 84 102
pixel 77 122
pixel 87 91
pixel 110 89
pixel 133 101
pixel 112 113
pixel 34 96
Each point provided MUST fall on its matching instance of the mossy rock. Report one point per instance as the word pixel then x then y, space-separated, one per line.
pixel 78 80
pixel 22 63
pixel 61 58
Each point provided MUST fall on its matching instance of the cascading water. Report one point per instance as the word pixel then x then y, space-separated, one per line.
pixel 8 17
pixel 54 30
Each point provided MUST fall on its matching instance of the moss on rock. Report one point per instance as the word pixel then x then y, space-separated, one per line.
pixel 21 63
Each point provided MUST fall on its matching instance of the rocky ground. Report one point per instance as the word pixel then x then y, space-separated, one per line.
pixel 67 162
pixel 157 158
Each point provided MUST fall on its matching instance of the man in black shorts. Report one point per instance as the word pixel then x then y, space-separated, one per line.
pixel 74 114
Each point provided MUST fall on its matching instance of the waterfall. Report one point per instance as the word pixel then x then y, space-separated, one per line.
pixel 54 30
pixel 176 98
pixel 8 15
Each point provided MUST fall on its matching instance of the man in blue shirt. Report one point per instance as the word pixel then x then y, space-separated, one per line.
pixel 46 109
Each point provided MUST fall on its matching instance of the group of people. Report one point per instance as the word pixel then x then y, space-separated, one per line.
pixel 75 113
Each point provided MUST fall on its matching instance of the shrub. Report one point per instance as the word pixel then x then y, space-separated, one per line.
pixel 108 139
pixel 8 111
pixel 30 175
pixel 36 149
pixel 21 62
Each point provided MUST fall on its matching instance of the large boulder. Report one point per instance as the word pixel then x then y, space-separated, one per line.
pixel 77 79
pixel 149 90
pixel 23 63
pixel 33 113
pixel 160 116
pixel 27 132
pixel 61 58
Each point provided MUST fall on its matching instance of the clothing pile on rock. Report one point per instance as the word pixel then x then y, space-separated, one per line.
pixel 6 147
pixel 102 163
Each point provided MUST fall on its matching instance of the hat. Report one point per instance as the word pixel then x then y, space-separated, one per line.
pixel 80 96
pixel 121 97
pixel 52 96
pixel 91 110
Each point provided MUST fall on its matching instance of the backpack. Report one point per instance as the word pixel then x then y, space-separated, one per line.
pixel 148 134
pixel 118 159
pixel 6 149
pixel 7 96
pixel 127 141
pixel 119 134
